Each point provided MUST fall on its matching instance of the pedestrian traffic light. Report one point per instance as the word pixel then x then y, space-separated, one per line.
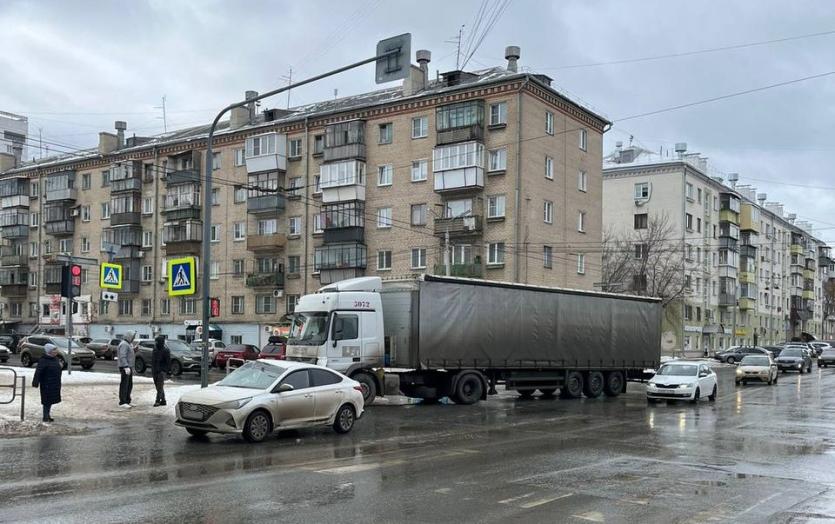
pixel 71 281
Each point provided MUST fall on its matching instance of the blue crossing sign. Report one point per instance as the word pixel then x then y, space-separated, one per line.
pixel 110 276
pixel 181 276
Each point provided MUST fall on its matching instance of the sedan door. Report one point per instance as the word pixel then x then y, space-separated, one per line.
pixel 330 392
pixel 296 407
pixel 707 379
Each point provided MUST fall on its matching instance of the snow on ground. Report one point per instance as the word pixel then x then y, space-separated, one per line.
pixel 76 378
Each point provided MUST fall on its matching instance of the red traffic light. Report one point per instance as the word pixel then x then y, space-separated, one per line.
pixel 75 270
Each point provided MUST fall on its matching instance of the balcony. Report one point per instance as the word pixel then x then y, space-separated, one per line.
pixel 329 276
pixel 748 251
pixel 182 176
pixel 59 195
pixel 340 261
pixel 265 204
pixel 825 261
pixel 748 277
pixel 344 152
pixel 808 274
pixel 461 134
pixel 130 218
pixel 125 185
pixel 266 243
pixel 727 300
pixel 796 249
pixel 461 270
pixel 9 202
pixel 344 234
pixel 728 243
pixel 727 271
pixel 13 256
pixel 274 280
pixel 181 206
pixel 808 294
pixel 458 227
pixel 342 181
pixel 727 215
pixel 14 231
pixel 14 282
pixel 266 152
pixel 52 279
pixel 459 180
pixel 183 239
pixel 129 286
pixel 60 228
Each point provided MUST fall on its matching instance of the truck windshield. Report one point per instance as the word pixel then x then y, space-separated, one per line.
pixel 310 329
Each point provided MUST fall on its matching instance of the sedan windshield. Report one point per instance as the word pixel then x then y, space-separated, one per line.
pixel 791 352
pixel 678 370
pixel 309 329
pixel 252 375
pixel 754 360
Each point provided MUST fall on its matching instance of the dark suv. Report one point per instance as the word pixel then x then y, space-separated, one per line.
pixel 794 358
pixel 183 357
pixel 734 354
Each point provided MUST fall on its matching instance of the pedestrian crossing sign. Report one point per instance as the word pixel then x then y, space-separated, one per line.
pixel 181 276
pixel 110 276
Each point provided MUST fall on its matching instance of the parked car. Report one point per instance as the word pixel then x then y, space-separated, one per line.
pixel 104 347
pixel 794 358
pixel 268 395
pixel 803 346
pixel 183 357
pixel 5 353
pixel 734 354
pixel 32 349
pixel 775 350
pixel 682 380
pixel 275 349
pixel 827 358
pixel 214 346
pixel 819 347
pixel 241 351
pixel 11 340
pixel 761 368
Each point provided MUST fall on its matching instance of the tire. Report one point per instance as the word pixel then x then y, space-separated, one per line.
pixel 776 376
pixel 652 400
pixel 369 386
pixel 26 360
pixel 469 389
pixel 258 426
pixel 696 396
pixel 196 432
pixel 800 371
pixel 526 394
pixel 548 392
pixel 86 366
pixel 738 382
pixel 176 368
pixel 770 381
pixel 712 396
pixel 593 384
pixel 573 387
pixel 730 360
pixel 63 362
pixel 139 365
pixel 613 383
pixel 345 418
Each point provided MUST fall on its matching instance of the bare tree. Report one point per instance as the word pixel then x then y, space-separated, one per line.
pixel 828 299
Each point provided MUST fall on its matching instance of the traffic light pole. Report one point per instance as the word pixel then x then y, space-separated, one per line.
pixel 68 314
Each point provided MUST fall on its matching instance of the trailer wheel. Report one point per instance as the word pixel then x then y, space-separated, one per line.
pixel 369 386
pixel 613 384
pixel 573 387
pixel 593 386
pixel 468 389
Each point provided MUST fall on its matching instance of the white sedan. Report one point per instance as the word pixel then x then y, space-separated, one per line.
pixel 263 396
pixel 682 380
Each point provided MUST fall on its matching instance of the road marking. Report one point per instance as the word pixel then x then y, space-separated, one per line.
pixel 356 468
pixel 546 500
pixel 760 502
pixel 591 516
pixel 443 491
pixel 514 499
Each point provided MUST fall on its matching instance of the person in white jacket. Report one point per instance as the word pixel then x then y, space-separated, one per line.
pixel 126 361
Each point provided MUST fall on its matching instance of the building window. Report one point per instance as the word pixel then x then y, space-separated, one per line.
pixel 295 226
pixel 85 245
pixel 548 257
pixel 216 196
pixel 33 309
pixel 418 214
pixel 420 127
pixel 549 122
pixel 641 251
pixel 317 223
pixel 125 307
pixel 34 189
pixel 187 306
pixel 549 168
pixel 237 305
pixel 688 191
pixel 240 195
pixel 238 267
pixel 291 302
pixel 214 233
pixel 104 308
pixel 418 258
pixel 293 264
pixel 239 157
pixel 548 212
pixel 33 251
pixel 215 160
pixel 581 221
pixel 295 148
pixel 582 181
pixel 498 114
pixel 581 264
pixel 264 304
pixel 148 206
pixel 384 217
pixel 105 178
pixel 260 145
pixel 146 307
pixel 269 226
pixel 385 175
pixel 147 273
pixel 386 133
pixel 698 225
pixel 584 141
pixel 239 230
pixel 165 306
pixel 641 221
pixel 318 144
pixel 317 185
pixel 495 206
pixel 105 210
pixel 35 219
pixel 85 181
pixel 688 221
pixel 642 191
pixel 147 239
pixel 383 260
pixel 498 159
pixel 495 253
pixel 214 270
pixel 420 170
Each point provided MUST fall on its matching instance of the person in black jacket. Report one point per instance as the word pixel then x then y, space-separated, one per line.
pixel 160 363
pixel 48 378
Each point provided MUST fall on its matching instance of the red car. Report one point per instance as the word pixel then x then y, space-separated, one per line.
pixel 240 351
pixel 275 349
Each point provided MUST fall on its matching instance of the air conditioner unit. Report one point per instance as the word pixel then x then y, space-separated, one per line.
pixel 141 254
pixel 278 293
pixel 75 212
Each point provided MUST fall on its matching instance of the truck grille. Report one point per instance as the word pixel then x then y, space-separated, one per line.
pixel 197 412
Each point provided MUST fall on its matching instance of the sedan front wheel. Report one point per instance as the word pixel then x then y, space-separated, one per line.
pixel 345 418
pixel 257 426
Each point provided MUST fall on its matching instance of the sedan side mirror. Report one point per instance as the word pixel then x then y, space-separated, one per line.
pixel 284 388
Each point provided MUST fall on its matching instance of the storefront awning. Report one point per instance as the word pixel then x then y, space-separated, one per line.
pixel 718 329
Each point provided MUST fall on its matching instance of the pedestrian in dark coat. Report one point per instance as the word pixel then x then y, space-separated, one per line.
pixel 48 378
pixel 160 365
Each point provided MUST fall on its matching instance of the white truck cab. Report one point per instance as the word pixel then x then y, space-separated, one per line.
pixel 341 327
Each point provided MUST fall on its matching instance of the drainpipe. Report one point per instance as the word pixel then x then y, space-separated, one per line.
pixel 683 246
pixel 155 244
pixel 306 198
pixel 517 224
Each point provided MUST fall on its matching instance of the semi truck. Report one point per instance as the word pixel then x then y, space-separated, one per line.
pixel 461 338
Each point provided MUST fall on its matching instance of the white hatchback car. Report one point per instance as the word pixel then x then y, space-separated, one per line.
pixel 267 395
pixel 682 380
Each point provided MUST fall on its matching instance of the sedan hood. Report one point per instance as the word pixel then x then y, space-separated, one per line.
pixel 754 368
pixel 213 395
pixel 672 380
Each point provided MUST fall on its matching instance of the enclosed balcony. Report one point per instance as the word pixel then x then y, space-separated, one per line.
pixel 262 204
pixel 125 209
pixel 747 304
pixel 14 224
pixel 182 203
pixel 342 181
pixel 273 280
pixel 183 238
pixel 126 185
pixel 749 251
pixel 727 299
pixel 344 141
pixel 182 176
pixel 458 167
pixel 13 255
pixel 458 227
pixel 266 243
pixel 460 122
pixel 344 222
pixel 52 278
pixel 340 261
pixel 60 187
pixel 13 282
pixel 267 152
pixel 60 227
pixel 461 270
pixel 14 191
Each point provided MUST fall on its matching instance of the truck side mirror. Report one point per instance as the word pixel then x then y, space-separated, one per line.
pixel 338 329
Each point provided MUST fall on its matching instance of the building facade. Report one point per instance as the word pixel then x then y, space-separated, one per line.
pixel 749 273
pixel 491 175
pixel 14 130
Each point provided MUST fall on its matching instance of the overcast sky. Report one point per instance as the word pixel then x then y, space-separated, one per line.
pixel 74 67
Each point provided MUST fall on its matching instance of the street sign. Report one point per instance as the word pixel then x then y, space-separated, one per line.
pixel 109 296
pixel 396 65
pixel 181 276
pixel 110 276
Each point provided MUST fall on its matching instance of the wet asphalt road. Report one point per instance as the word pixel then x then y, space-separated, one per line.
pixel 761 454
